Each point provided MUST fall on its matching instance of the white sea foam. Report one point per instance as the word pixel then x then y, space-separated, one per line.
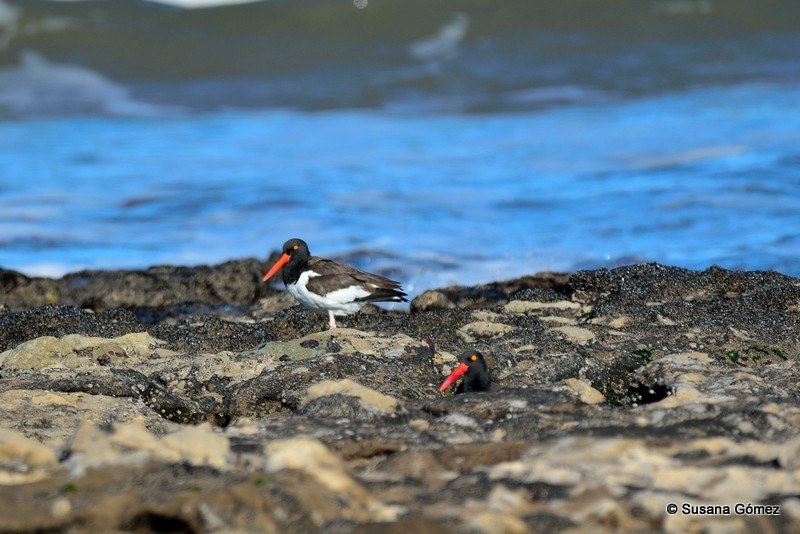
pixel 192 4
pixel 444 43
pixel 40 87
pixel 9 22
pixel 46 270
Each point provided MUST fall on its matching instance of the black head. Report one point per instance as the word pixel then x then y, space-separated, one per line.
pixel 295 247
pixel 295 253
pixel 473 368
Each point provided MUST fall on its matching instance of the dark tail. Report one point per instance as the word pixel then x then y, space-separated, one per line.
pixel 385 295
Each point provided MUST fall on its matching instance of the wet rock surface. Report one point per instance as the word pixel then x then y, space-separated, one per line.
pixel 200 400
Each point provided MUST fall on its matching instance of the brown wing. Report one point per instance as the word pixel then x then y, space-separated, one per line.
pixel 334 275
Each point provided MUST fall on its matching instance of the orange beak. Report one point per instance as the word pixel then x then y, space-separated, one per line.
pixel 457 372
pixel 283 260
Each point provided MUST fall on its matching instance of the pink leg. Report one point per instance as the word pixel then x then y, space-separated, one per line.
pixel 332 321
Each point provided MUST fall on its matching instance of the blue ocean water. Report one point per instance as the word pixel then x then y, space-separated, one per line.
pixel 426 188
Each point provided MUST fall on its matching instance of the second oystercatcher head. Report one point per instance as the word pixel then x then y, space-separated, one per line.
pixel 327 286
pixel 473 368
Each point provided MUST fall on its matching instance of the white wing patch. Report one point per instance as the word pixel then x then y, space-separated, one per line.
pixel 340 302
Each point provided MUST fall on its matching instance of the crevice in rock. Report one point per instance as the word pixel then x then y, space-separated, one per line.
pixel 649 393
pixel 154 522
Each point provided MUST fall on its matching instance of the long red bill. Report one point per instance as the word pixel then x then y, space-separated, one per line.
pixel 457 372
pixel 283 260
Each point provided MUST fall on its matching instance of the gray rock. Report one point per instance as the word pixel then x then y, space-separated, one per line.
pixel 217 404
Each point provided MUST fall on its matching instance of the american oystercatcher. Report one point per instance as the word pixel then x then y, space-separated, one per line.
pixel 324 285
pixel 473 368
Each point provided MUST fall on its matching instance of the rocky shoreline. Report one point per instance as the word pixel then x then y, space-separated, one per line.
pixel 181 399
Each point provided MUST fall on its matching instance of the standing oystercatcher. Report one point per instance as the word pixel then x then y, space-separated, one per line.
pixel 324 285
pixel 473 368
